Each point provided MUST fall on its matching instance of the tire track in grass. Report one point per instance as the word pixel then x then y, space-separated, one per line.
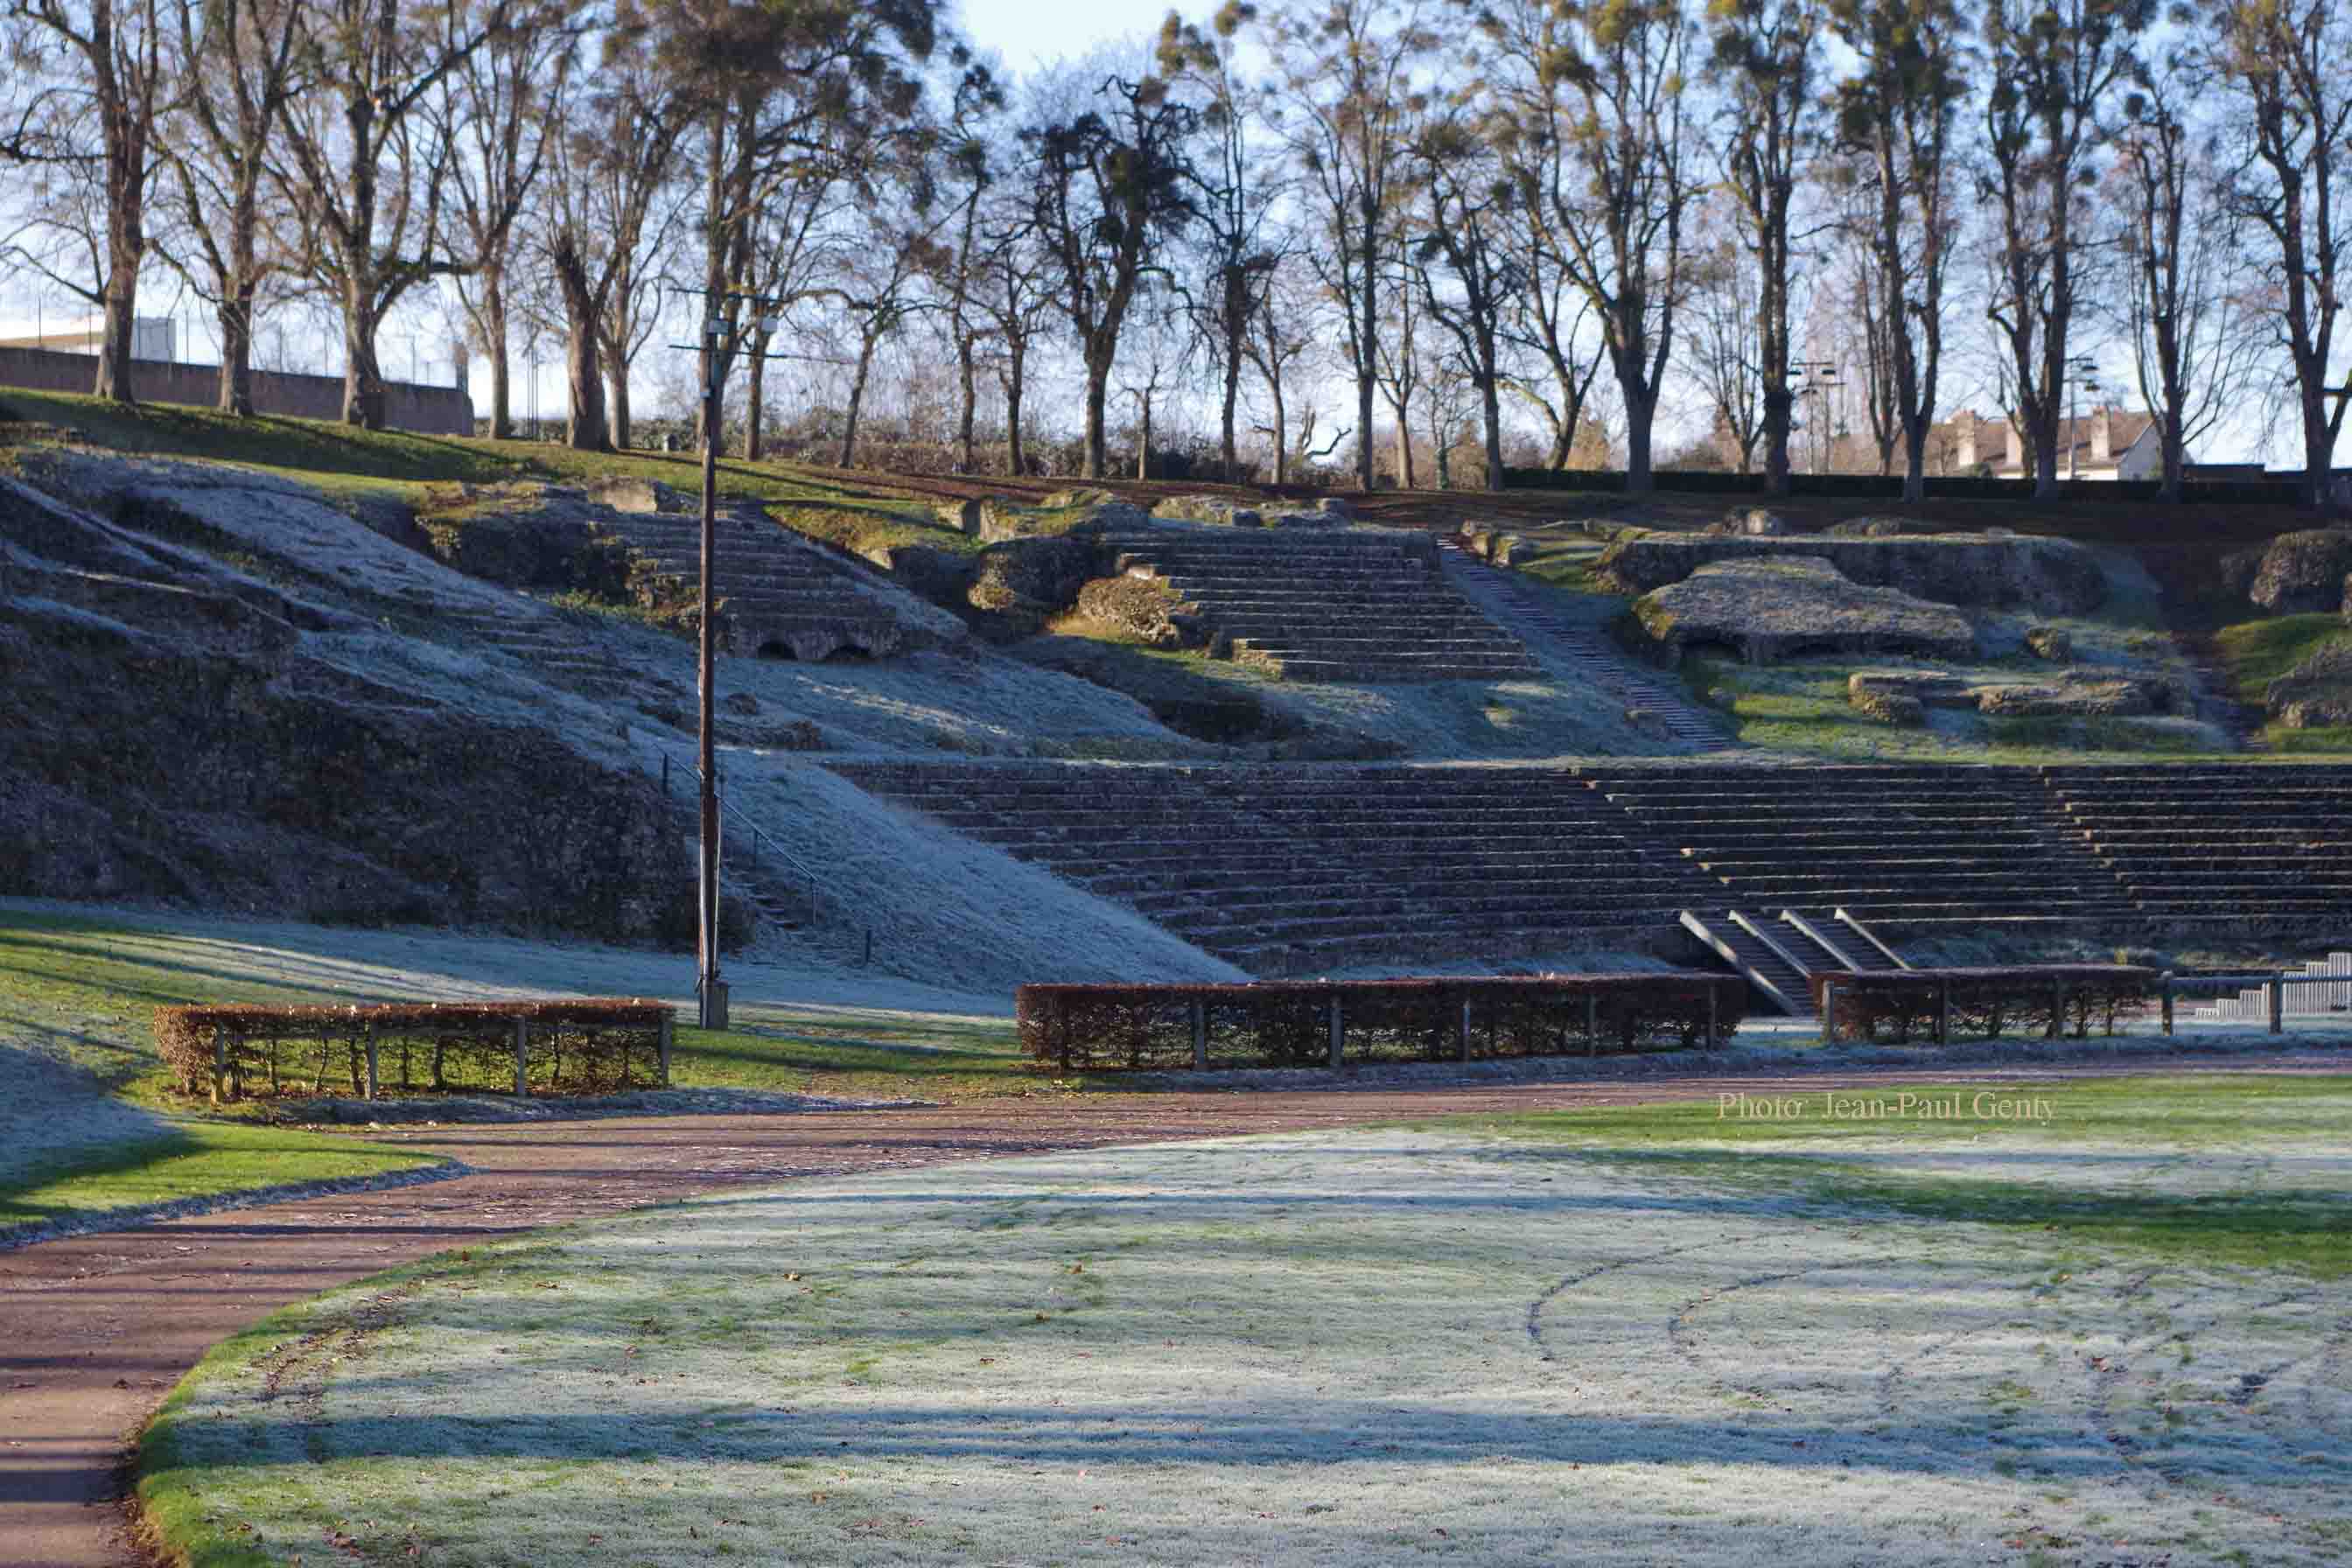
pixel 1536 1308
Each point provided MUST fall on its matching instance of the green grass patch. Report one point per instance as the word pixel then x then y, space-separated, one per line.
pixel 191 1158
pixel 2258 652
pixel 819 1051
pixel 1823 1159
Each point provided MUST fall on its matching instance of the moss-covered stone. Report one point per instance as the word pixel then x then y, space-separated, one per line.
pixel 1769 610
pixel 2054 576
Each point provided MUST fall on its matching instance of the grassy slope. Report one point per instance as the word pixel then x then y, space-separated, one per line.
pixel 85 990
pixel 2256 653
pixel 2263 1227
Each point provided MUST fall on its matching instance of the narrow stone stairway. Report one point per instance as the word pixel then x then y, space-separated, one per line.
pixel 1541 624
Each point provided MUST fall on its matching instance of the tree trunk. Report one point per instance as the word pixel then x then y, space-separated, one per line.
pixel 619 405
pixel 1490 400
pixel 1143 447
pixel 1367 329
pixel 587 431
pixel 364 394
pixel 235 317
pixel 1097 391
pixel 969 413
pixel 1227 448
pixel 755 400
pixel 1640 415
pixel 2176 455
pixel 1915 460
pixel 856 399
pixel 1404 447
pixel 1017 371
pixel 1281 432
pixel 494 346
pixel 121 304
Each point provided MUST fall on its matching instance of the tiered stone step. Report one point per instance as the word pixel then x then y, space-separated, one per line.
pixel 1300 867
pixel 2205 843
pixel 785 597
pixel 1915 850
pixel 1336 605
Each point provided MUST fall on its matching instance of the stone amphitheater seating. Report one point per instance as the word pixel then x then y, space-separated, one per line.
pixel 1325 603
pixel 1302 868
pixel 784 597
pixel 2194 844
pixel 1918 851
pixel 1296 869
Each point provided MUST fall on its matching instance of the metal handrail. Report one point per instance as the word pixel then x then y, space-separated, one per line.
pixel 758 835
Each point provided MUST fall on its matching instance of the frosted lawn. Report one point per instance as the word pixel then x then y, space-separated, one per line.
pixel 1352 1348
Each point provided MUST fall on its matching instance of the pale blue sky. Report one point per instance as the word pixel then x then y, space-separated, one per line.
pixel 1029 32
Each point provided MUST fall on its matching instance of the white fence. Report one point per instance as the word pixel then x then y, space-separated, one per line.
pixel 2324 987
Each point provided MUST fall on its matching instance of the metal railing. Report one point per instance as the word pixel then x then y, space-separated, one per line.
pixel 759 837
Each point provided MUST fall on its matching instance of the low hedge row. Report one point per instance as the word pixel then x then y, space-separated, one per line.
pixel 567 1047
pixel 1097 1028
pixel 2048 999
pixel 1889 486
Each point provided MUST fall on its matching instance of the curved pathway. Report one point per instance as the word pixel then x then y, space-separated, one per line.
pixel 94 1330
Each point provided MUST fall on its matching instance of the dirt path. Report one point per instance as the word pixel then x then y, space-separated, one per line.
pixel 94 1330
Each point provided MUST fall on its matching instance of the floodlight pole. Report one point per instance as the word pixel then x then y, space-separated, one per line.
pixel 709 988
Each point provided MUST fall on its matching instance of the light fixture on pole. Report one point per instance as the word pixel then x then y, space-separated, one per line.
pixel 1814 378
pixel 2081 371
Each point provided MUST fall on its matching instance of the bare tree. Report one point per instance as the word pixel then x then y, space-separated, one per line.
pixel 1013 288
pixel 2052 65
pixel 1548 319
pixel 2195 326
pixel 1349 70
pixel 1397 360
pixel 1232 197
pixel 1895 115
pixel 363 173
pixel 1280 344
pixel 2285 61
pixel 1592 121
pixel 1770 53
pixel 1469 218
pixel 1107 184
pixel 1726 349
pixel 108 65
pixel 878 296
pixel 235 61
pixel 495 115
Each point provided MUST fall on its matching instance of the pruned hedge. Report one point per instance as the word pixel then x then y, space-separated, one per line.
pixel 590 1046
pixel 1268 1024
pixel 2286 492
pixel 2047 999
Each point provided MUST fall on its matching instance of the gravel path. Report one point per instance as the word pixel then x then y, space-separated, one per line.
pixel 98 1328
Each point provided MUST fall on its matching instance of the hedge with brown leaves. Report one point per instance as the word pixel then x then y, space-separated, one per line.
pixel 1901 1004
pixel 575 1046
pixel 1097 1028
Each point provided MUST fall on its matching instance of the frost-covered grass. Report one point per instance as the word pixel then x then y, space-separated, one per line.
pixel 1424 1345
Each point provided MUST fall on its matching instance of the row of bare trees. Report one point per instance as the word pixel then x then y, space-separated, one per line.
pixel 1463 210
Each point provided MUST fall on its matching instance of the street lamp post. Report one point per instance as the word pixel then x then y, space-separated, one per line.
pixel 1815 377
pixel 719 331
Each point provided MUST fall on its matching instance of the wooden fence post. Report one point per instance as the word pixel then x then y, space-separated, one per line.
pixel 2057 1010
pixel 2164 987
pixel 1200 1033
pixel 1944 1011
pixel 667 1024
pixel 1710 1015
pixel 220 1062
pixel 1829 1012
pixel 2277 1002
pixel 1338 1027
pixel 373 1080
pixel 1465 1026
pixel 522 1057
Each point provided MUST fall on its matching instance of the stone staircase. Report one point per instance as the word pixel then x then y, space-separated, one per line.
pixel 1301 869
pixel 1587 653
pixel 784 597
pixel 2193 844
pixel 1350 604
pixel 1916 851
